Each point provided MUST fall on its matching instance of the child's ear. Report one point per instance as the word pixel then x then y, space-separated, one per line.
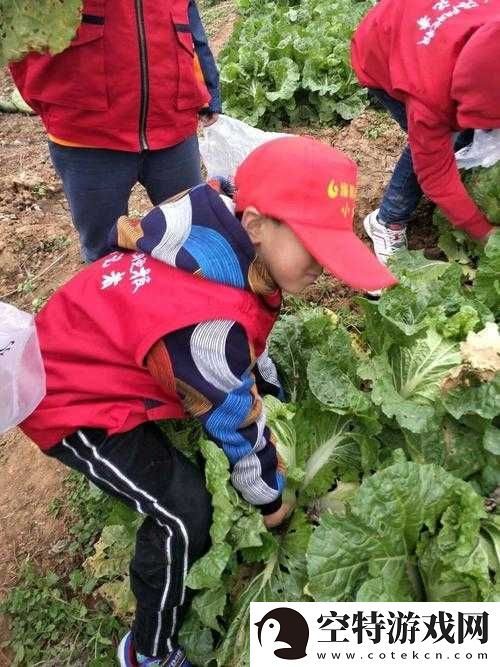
pixel 253 224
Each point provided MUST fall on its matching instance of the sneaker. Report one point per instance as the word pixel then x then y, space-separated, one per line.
pixel 386 240
pixel 128 656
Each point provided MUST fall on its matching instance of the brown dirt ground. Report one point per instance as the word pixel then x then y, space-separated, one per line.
pixel 39 252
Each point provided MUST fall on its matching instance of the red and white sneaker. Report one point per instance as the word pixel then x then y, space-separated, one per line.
pixel 126 652
pixel 386 239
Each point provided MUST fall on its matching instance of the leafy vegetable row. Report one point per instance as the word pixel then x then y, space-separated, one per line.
pixel 288 61
pixel 392 442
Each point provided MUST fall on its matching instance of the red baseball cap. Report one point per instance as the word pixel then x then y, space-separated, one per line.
pixel 311 187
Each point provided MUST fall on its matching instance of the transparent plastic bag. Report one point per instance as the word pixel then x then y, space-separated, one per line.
pixel 22 374
pixel 227 142
pixel 484 151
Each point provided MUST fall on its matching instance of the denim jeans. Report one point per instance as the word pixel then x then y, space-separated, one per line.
pixel 98 182
pixel 403 193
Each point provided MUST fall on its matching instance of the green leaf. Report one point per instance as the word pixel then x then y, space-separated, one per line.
pixel 196 639
pixel 284 74
pixel 247 531
pixel 461 323
pixel 293 341
pixel 483 184
pixel 491 440
pixel 262 553
pixel 326 449
pixel 333 387
pixel 453 564
pixel 487 282
pixel 37 26
pixel 482 400
pixel 282 578
pixel 224 497
pixel 398 514
pixel 406 381
pixel 279 418
pixel 406 309
pixel 207 571
pixel 418 370
pixel 413 269
pixel 185 435
pixel 210 605
pixel 332 376
pixel 490 532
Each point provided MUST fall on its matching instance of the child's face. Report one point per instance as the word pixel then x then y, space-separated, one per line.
pixel 290 265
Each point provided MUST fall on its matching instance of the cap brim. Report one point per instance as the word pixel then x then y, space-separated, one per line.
pixel 345 256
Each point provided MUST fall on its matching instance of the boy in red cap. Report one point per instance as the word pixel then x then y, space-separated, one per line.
pixel 175 323
pixel 434 65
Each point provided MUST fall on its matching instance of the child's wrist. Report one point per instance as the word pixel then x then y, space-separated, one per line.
pixel 271 507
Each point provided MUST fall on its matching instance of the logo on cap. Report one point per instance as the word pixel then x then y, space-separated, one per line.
pixel 347 192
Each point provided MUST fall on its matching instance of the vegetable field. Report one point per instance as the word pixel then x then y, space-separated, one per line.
pixel 391 429
pixel 391 438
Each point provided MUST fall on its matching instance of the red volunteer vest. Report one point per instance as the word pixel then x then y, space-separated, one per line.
pixel 96 331
pixel 126 82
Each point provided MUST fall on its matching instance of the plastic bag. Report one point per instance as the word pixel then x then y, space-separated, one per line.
pixel 484 151
pixel 227 142
pixel 22 374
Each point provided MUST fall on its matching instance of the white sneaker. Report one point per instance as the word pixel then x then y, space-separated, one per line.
pixel 386 241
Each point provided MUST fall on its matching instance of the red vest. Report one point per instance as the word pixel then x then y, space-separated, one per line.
pixel 96 331
pixel 126 82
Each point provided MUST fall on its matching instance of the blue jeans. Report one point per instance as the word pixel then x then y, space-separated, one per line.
pixel 403 193
pixel 98 182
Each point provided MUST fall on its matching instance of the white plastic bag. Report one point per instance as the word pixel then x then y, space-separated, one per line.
pixel 227 142
pixel 484 151
pixel 22 374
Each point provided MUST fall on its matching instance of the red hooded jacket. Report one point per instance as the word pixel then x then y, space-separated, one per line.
pixel 441 58
pixel 129 80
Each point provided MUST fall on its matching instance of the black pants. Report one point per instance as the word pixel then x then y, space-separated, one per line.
pixel 144 470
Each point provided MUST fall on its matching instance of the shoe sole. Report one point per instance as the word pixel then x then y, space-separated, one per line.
pixel 367 227
pixel 375 294
pixel 120 652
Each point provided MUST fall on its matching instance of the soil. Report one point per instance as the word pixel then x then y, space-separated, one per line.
pixel 39 251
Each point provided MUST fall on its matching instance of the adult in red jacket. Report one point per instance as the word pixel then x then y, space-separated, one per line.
pixel 434 65
pixel 121 106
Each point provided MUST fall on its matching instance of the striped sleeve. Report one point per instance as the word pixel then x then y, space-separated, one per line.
pixel 266 377
pixel 215 377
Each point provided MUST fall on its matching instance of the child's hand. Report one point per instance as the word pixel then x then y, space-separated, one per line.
pixel 276 518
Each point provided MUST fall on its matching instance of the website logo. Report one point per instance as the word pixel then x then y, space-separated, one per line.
pixel 284 626
pixel 374 634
